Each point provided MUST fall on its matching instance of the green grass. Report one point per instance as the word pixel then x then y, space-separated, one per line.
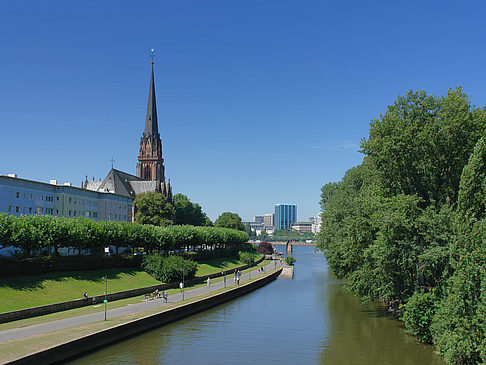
pixel 34 290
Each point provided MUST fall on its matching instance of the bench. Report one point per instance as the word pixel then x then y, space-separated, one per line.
pixel 150 296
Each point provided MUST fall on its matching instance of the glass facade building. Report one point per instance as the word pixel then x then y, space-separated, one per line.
pixel 285 215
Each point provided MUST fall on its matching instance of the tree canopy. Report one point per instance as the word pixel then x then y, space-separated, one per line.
pixel 190 213
pixel 153 208
pixel 408 226
pixel 230 220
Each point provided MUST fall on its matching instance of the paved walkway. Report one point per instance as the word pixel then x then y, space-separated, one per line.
pixel 15 333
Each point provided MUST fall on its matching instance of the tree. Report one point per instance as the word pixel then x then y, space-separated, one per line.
pixel 229 220
pixel 153 208
pixel 187 212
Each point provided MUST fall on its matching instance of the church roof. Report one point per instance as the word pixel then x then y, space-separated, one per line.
pixel 119 182
pixel 151 126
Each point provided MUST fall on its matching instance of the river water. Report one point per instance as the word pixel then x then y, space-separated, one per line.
pixel 311 319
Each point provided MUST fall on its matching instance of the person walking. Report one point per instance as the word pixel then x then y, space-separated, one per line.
pixel 208 281
pixel 181 286
pixel 165 295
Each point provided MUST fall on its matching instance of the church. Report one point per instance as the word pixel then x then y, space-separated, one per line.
pixel 150 168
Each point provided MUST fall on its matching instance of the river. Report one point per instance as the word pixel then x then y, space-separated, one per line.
pixel 311 319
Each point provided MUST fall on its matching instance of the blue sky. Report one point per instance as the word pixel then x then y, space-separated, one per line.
pixel 259 102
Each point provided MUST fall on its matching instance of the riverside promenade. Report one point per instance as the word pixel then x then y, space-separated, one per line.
pixel 22 338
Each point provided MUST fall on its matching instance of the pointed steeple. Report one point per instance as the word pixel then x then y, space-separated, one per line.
pixel 151 126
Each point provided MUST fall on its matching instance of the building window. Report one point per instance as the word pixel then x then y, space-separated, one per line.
pixel 17 194
pixel 95 214
pixel 30 209
pixel 57 198
pixel 9 208
pixel 30 196
pixel 70 213
pixel 75 213
pixel 57 211
pixel 17 209
pixel 70 200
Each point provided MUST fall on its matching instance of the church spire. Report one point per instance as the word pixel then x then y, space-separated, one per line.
pixel 151 127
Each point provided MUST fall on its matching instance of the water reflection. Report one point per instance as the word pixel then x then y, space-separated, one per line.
pixel 310 319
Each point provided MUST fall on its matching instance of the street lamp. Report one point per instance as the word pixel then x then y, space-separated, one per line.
pixel 224 273
pixel 183 274
pixel 106 291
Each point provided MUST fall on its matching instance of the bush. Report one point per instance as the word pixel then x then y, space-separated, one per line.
pixel 10 266
pixel 418 314
pixel 289 260
pixel 248 257
pixel 265 248
pixel 168 269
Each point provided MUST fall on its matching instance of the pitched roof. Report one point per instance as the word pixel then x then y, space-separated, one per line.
pixel 119 182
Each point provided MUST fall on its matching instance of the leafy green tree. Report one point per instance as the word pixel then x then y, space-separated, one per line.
pixel 229 220
pixel 153 208
pixel 189 213
pixel 459 327
pixel 420 145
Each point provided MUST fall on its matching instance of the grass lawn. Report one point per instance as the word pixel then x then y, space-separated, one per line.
pixel 34 290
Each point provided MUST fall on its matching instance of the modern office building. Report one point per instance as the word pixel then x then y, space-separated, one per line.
pixel 285 215
pixel 268 220
pixel 258 219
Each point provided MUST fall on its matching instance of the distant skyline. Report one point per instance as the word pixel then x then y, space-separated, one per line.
pixel 259 102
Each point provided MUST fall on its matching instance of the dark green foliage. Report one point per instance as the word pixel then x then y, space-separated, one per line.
pixel 40 235
pixel 229 220
pixel 190 213
pixel 169 269
pixel 408 224
pixel 289 260
pixel 10 266
pixel 248 257
pixel 153 208
pixel 418 314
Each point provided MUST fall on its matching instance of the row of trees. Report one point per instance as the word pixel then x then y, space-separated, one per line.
pixel 153 208
pixel 408 225
pixel 35 234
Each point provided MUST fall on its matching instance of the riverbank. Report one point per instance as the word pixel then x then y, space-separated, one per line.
pixel 61 344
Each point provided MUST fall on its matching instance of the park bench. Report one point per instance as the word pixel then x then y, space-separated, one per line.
pixel 150 296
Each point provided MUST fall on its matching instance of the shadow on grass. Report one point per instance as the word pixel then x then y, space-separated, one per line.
pixel 34 282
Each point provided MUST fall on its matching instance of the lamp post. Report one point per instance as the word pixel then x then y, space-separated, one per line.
pixel 224 273
pixel 183 274
pixel 106 291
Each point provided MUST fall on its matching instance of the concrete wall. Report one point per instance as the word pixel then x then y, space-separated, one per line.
pixel 109 336
pixel 77 303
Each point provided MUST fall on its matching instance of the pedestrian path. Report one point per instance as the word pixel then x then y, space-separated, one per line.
pixel 16 333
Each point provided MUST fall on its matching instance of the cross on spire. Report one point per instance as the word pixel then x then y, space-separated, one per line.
pixel 112 161
pixel 152 54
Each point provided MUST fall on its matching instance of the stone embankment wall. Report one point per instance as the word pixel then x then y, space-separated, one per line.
pixel 77 303
pixel 68 350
